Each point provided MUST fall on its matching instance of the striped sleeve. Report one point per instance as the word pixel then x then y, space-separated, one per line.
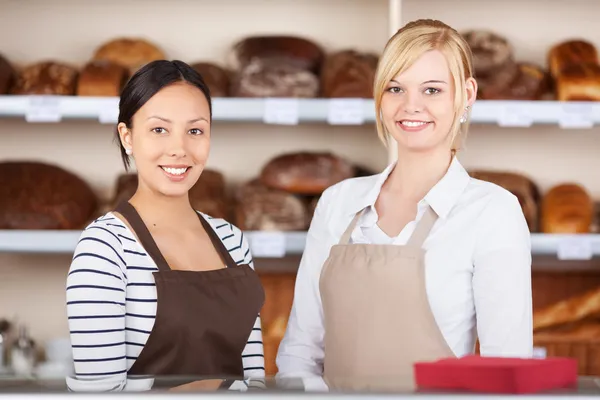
pixel 95 301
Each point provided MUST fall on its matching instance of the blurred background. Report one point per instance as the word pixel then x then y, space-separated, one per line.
pixel 530 133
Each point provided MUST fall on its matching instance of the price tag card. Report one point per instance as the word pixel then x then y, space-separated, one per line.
pixel 43 109
pixel 575 248
pixel 281 111
pixel 346 112
pixel 108 112
pixel 514 116
pixel 267 244
pixel 576 116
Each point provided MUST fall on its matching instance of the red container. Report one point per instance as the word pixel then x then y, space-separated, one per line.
pixel 497 375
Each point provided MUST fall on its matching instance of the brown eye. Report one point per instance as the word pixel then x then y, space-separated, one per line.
pixel 196 131
pixel 159 130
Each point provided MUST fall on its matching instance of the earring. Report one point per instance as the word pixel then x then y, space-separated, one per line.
pixel 463 119
pixel 128 151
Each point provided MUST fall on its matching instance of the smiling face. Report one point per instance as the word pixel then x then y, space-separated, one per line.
pixel 170 139
pixel 417 106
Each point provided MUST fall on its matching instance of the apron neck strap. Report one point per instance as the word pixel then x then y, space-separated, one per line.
pixel 127 210
pixel 345 239
pixel 217 243
pixel 423 228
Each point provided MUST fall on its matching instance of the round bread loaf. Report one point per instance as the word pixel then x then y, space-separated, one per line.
pixel 529 83
pixel 216 78
pixel 272 78
pixel 46 78
pixel 259 208
pixel 101 78
pixel 131 53
pixel 35 195
pixel 306 173
pixel 490 50
pixel 292 50
pixel 348 73
pixel 567 209
pixel 7 76
pixel 522 187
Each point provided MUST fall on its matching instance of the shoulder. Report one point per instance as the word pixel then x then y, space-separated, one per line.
pixel 107 228
pixel 231 236
pixel 494 199
pixel 344 193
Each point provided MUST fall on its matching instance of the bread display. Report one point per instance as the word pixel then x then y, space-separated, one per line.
pixel 290 50
pixel 260 208
pixel 131 53
pixel 567 209
pixel 35 195
pixel 7 76
pixel 522 187
pixel 272 78
pixel 46 78
pixel 568 311
pixel 579 83
pixel 306 173
pixel 516 81
pixel 216 77
pixel 102 79
pixel 570 53
pixel 348 74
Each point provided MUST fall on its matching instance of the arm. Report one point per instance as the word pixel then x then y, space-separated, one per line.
pixel 95 296
pixel 502 280
pixel 301 351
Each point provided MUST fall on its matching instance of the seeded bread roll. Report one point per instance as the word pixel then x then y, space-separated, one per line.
pixel 46 78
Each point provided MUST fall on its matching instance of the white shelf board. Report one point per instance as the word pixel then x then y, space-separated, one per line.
pixel 292 111
pixel 269 244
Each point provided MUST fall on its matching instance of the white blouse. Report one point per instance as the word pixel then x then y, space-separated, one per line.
pixel 478 267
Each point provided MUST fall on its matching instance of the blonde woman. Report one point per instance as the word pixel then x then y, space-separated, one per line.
pixel 420 261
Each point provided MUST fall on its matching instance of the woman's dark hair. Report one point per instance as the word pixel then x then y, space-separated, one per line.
pixel 148 81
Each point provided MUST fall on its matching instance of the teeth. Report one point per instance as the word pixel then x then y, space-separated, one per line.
pixel 175 171
pixel 413 123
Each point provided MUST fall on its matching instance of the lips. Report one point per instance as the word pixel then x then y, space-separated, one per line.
pixel 179 170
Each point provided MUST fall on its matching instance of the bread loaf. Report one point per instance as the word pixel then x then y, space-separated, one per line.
pixel 102 79
pixel 301 53
pixel 260 208
pixel 570 53
pixel 528 82
pixel 273 78
pixel 35 195
pixel 522 187
pixel 131 53
pixel 7 76
pixel 568 311
pixel 306 173
pixel 216 78
pixel 567 209
pixel 348 73
pixel 46 78
pixel 490 51
pixel 579 83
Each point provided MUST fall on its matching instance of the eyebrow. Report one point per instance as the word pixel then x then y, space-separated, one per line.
pixel 424 83
pixel 169 121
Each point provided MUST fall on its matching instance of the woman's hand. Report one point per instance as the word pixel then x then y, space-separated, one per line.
pixel 206 385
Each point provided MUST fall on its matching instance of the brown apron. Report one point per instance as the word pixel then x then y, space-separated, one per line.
pixel 203 318
pixel 376 313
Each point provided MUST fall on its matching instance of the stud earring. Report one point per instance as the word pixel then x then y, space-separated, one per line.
pixel 128 151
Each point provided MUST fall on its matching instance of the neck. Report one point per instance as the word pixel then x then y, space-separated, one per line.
pixel 160 210
pixel 416 173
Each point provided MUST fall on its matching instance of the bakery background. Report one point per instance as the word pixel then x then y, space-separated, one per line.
pixel 530 147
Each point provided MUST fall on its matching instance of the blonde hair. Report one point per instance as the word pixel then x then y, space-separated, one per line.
pixel 410 43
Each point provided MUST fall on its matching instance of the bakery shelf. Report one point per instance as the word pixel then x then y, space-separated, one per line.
pixel 267 244
pixel 293 111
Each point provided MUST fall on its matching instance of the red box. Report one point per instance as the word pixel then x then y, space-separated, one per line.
pixel 497 375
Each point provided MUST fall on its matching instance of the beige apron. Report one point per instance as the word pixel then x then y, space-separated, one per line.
pixel 376 313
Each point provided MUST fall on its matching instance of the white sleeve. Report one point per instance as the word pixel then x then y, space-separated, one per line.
pixel 301 351
pixel 502 280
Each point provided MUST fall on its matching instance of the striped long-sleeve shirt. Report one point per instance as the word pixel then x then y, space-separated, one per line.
pixel 111 306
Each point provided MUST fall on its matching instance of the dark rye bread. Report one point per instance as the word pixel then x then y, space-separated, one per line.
pixel 35 195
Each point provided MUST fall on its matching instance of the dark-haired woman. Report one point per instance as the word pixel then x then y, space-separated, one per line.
pixel 157 289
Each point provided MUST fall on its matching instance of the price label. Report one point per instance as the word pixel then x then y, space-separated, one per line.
pixel 575 249
pixel 576 116
pixel 281 111
pixel 346 112
pixel 267 244
pixel 43 109
pixel 108 112
pixel 515 117
pixel 539 352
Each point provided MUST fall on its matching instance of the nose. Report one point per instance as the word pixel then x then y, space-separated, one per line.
pixel 413 103
pixel 176 146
